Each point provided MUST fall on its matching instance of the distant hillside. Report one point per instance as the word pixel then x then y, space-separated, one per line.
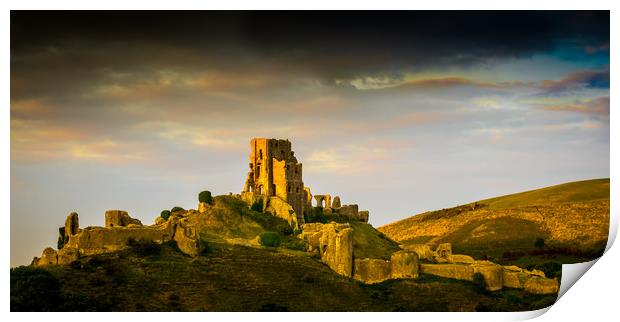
pixel 572 218
pixel 579 191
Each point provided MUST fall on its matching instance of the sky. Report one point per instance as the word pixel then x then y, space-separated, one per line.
pixel 398 112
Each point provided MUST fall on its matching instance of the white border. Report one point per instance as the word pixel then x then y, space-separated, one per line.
pixel 592 297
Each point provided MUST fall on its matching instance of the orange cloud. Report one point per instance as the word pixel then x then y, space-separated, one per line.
pixel 577 80
pixel 597 106
pixel 29 108
pixel 449 82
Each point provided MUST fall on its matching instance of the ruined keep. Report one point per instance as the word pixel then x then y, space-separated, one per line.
pixel 275 172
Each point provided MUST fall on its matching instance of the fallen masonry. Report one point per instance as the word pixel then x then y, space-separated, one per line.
pixel 335 244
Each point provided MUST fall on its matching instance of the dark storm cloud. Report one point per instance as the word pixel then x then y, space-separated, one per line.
pixel 329 44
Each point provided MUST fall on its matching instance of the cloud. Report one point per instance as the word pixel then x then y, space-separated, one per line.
pixel 108 151
pixel 369 156
pixel 599 106
pixel 602 48
pixel 578 80
pixel 342 46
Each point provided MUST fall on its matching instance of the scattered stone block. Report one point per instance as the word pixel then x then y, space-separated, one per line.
pixel 371 270
pixel 456 271
pixel 462 259
pixel 443 253
pixel 493 274
pixel 405 264
pixel 541 285
pixel 424 251
pixel 336 248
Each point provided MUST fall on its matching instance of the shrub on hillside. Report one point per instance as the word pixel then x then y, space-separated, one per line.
pixel 177 208
pixel 144 247
pixel 269 222
pixel 551 268
pixel 34 289
pixel 165 214
pixel 203 246
pixel 294 243
pixel 479 282
pixel 539 243
pixel 270 239
pixel 205 196
pixel 257 205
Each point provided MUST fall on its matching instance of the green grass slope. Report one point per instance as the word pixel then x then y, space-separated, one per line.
pixel 371 243
pixel 579 191
pixel 229 219
pixel 572 219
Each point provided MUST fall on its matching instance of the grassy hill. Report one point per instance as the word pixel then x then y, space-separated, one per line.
pixel 572 192
pixel 236 273
pixel 571 220
pixel 238 278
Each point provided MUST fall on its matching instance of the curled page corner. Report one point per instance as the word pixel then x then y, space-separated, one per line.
pixel 571 273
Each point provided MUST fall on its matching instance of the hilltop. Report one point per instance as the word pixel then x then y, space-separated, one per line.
pixel 567 222
pixel 235 272
pixel 270 249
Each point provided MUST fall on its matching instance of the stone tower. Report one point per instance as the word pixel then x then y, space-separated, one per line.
pixel 274 171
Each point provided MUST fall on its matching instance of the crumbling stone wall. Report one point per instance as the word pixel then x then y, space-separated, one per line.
pixel 319 200
pixel 119 218
pixel 334 244
pixel 363 215
pixel 307 199
pixel 349 210
pixel 72 226
pixel 336 203
pixel 496 277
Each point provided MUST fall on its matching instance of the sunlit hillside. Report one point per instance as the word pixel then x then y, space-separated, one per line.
pixel 572 218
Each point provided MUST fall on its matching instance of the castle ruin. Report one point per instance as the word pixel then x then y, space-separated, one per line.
pixel 275 178
pixel 275 172
pixel 274 183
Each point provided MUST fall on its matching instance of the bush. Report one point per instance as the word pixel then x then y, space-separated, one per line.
pixel 204 246
pixel 551 268
pixel 539 243
pixel 177 208
pixel 165 214
pixel 294 243
pixel 34 289
pixel 479 282
pixel 269 222
pixel 144 247
pixel 257 205
pixel 205 196
pixel 270 239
